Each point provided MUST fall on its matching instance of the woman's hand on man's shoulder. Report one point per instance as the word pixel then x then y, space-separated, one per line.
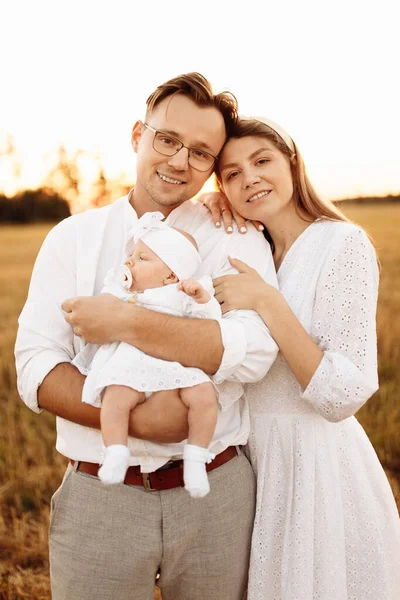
pixel 222 212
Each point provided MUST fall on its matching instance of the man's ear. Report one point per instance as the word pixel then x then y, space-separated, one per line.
pixel 172 278
pixel 136 135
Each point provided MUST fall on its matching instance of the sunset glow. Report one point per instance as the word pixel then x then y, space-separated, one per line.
pixel 78 74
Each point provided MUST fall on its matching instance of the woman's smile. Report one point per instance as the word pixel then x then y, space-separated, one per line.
pixel 258 195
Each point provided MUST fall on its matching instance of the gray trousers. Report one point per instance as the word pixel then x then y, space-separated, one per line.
pixel 107 542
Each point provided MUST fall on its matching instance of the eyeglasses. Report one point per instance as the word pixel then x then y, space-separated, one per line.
pixel 164 144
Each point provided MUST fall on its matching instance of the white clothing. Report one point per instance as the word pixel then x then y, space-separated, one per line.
pixel 122 364
pixel 326 525
pixel 177 252
pixel 74 260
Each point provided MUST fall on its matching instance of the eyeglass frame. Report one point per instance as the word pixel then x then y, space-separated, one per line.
pixel 155 131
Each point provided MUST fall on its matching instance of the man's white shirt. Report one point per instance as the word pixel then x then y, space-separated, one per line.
pixel 74 260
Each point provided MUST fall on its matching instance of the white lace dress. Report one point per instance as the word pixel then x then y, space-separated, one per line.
pixel 122 364
pixel 326 525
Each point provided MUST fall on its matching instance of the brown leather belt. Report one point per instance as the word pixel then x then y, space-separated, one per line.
pixel 165 478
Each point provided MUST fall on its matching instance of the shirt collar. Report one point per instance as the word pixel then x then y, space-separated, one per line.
pixel 131 218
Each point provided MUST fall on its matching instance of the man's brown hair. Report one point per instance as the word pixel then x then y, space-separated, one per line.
pixel 199 89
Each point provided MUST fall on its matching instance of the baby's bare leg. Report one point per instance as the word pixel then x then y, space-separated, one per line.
pixel 201 401
pixel 118 401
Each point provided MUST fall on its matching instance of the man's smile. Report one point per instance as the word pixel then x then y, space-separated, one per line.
pixel 170 179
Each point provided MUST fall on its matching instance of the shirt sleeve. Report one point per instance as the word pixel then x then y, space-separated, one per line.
pixel 249 349
pixel 44 339
pixel 344 326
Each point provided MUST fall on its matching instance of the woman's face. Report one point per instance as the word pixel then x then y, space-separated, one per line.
pixel 256 177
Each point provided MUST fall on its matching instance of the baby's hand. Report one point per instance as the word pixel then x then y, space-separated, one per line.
pixel 195 290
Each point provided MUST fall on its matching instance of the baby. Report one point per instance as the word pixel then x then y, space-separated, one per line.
pixel 157 274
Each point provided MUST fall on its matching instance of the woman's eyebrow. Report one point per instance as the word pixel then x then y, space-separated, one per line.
pixel 252 155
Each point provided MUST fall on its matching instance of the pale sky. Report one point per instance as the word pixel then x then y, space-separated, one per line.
pixel 79 72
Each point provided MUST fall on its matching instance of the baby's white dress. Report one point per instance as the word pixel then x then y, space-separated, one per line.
pixel 119 363
pixel 326 526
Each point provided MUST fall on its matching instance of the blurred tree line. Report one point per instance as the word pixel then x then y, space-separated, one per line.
pixel 366 200
pixel 64 189
pixel 32 206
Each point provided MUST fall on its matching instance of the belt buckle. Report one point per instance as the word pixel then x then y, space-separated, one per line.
pixel 147 483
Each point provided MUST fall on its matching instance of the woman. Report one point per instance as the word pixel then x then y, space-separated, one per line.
pixel 326 525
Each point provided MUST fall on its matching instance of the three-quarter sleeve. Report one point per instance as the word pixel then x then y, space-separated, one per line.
pixel 344 326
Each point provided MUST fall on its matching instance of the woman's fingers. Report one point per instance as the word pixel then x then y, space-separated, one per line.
pixel 222 212
pixel 215 202
pixel 227 219
pixel 219 208
pixel 258 225
pixel 240 221
pixel 241 266
pixel 222 279
pixel 215 211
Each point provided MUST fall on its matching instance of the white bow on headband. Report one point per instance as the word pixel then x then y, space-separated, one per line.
pixel 151 221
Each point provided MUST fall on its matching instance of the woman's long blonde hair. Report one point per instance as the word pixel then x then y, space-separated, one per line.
pixel 308 203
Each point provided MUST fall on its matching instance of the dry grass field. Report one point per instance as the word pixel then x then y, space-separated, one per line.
pixel 30 469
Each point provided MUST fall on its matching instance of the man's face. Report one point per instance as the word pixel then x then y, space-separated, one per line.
pixel 164 182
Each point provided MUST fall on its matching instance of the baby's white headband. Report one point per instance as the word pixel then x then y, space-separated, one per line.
pixel 172 247
pixel 277 128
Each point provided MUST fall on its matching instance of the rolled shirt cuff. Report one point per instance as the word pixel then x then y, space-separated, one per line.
pixel 34 373
pixel 235 347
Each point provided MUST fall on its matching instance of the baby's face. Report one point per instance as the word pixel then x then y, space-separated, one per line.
pixel 147 269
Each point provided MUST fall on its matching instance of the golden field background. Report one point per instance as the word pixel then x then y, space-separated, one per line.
pixel 30 468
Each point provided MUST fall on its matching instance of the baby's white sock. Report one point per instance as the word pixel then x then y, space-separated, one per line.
pixel 115 464
pixel 194 470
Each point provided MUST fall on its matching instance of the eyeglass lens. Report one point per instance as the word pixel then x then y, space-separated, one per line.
pixel 169 146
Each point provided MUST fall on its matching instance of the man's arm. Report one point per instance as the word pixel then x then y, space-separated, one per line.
pixel 162 418
pixel 45 347
pixel 106 319
pixel 240 347
pixel 191 342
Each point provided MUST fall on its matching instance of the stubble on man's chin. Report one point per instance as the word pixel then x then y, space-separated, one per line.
pixel 151 200
pixel 167 201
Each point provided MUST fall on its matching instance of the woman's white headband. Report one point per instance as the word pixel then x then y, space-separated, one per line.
pixel 279 130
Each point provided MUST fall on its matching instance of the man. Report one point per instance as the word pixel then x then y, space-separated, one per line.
pixel 107 542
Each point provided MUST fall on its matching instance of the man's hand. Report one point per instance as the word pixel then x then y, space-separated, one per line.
pixel 97 319
pixel 193 288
